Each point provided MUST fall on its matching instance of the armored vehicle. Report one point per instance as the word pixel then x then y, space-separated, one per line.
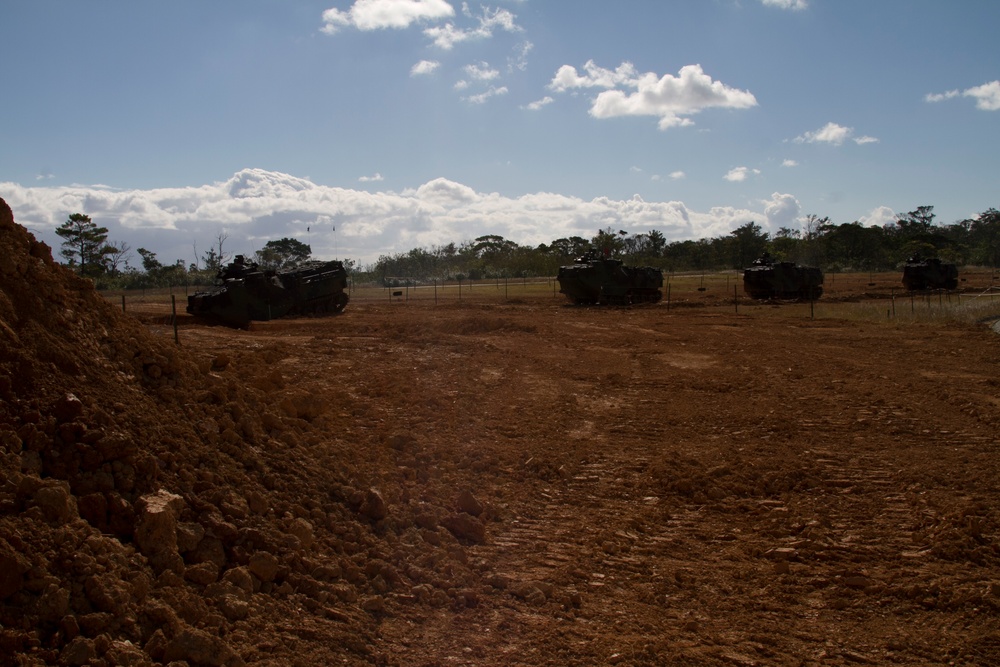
pixel 921 274
pixel 768 279
pixel 602 280
pixel 244 292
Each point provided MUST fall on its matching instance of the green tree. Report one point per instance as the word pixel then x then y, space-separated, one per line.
pixel 750 243
pixel 149 262
pixel 854 246
pixel 84 243
pixel 984 233
pixel 283 253
pixel 655 243
pixel 916 222
pixel 215 259
pixel 115 257
pixel 785 244
pixel 567 248
pixel 608 242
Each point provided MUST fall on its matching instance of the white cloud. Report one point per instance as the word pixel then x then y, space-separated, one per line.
pixel 789 163
pixel 381 14
pixel 255 206
pixel 677 175
pixel 538 104
pixel 669 98
pixel 519 61
pixel 481 72
pixel 878 217
pixel 786 4
pixel 834 134
pixel 374 178
pixel 424 67
pixel 740 174
pixel 781 210
pixel 940 97
pixel 567 78
pixel 831 133
pixel 482 97
pixel 987 96
pixel 447 36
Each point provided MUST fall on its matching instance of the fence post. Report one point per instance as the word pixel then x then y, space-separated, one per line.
pixel 123 303
pixel 173 310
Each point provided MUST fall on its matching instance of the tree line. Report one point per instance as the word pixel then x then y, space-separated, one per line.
pixel 820 243
pixel 86 250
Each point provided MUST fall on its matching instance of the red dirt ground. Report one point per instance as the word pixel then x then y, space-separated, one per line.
pixel 513 483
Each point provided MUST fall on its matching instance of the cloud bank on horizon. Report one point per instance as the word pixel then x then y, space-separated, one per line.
pixel 256 206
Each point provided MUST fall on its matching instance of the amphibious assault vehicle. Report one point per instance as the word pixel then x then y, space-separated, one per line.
pixel 921 274
pixel 244 292
pixel 768 279
pixel 602 280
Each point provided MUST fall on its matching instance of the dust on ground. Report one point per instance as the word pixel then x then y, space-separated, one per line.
pixel 522 482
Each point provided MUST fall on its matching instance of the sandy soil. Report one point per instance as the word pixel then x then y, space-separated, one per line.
pixel 708 487
pixel 522 482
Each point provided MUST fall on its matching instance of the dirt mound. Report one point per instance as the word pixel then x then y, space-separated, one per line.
pixel 158 506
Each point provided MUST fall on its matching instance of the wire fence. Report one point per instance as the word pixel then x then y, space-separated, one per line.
pixel 882 293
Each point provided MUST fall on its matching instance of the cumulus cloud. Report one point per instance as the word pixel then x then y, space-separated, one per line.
pixel 481 72
pixel 789 163
pixel 781 210
pixel 987 96
pixel 482 97
pixel 567 78
pixel 677 175
pixel 538 104
pixel 879 217
pixel 740 174
pixel 424 67
pixel 374 178
pixel 940 97
pixel 445 37
pixel 255 206
pixel 670 98
pixel 786 4
pixel 834 134
pixel 382 14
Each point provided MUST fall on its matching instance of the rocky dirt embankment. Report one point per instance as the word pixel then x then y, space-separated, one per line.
pixel 158 506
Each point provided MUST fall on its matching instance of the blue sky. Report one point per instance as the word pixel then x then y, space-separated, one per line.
pixel 369 127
